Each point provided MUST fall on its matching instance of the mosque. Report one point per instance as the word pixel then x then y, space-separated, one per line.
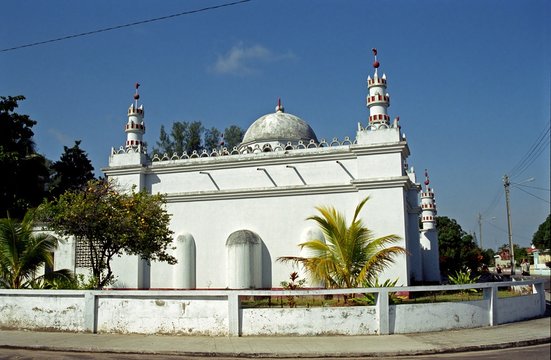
pixel 236 211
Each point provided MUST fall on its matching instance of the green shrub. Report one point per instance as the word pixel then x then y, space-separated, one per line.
pixel 462 278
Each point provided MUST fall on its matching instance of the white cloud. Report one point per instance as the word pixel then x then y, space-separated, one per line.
pixel 242 60
pixel 60 137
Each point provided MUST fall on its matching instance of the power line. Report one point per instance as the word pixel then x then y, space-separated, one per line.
pixel 537 197
pixel 532 187
pixel 498 228
pixel 493 204
pixel 533 153
pixel 522 237
pixel 124 25
pixel 524 163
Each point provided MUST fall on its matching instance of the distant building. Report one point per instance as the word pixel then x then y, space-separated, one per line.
pixel 235 211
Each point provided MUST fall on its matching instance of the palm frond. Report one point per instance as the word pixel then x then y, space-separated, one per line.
pixel 22 252
pixel 348 255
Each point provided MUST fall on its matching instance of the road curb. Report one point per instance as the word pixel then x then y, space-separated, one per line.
pixel 445 350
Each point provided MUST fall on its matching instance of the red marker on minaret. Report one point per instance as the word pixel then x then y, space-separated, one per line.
pixel 375 63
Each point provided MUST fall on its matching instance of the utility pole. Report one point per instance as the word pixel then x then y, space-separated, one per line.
pixel 480 229
pixel 506 185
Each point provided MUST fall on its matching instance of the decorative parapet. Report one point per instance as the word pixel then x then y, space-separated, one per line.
pixel 257 149
pixel 139 149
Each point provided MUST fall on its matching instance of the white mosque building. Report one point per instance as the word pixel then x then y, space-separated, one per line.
pixel 236 211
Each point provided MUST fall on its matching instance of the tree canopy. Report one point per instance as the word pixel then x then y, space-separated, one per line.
pixel 348 256
pixel 233 136
pixel 25 185
pixel 72 171
pixel 542 237
pixel 458 250
pixel 193 136
pixel 110 223
pixel 184 136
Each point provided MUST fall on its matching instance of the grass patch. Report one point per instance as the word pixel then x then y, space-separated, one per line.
pixel 310 301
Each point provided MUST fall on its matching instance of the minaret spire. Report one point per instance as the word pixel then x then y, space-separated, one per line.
pixel 378 100
pixel 135 127
pixel 375 62
pixel 428 206
pixel 136 94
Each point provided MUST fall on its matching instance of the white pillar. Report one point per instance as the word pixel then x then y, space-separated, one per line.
pixel 184 271
pixel 244 271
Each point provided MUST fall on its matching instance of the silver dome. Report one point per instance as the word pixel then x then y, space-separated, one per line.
pixel 280 127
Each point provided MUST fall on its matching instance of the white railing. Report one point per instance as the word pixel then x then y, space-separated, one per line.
pixel 219 312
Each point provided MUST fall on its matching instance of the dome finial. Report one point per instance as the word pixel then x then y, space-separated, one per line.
pixel 427 180
pixel 136 94
pixel 279 107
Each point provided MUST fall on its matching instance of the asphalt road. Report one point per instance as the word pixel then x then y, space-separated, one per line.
pixel 539 352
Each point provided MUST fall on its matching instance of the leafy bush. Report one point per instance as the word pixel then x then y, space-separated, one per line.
pixel 371 298
pixel 462 278
pixel 293 285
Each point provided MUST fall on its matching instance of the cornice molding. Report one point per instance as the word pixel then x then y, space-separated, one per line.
pixel 260 192
pixel 383 148
pixel 125 170
pixel 297 190
pixel 382 183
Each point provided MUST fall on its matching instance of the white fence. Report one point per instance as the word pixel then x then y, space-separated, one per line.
pixel 219 312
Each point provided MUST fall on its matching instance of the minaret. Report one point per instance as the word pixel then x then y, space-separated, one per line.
pixel 379 130
pixel 378 100
pixel 428 206
pixel 135 128
pixel 428 236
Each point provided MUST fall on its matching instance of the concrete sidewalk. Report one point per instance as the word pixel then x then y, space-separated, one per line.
pixel 531 332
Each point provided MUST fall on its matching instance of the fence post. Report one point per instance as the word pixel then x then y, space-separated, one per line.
pixel 90 312
pixel 383 310
pixel 538 288
pixel 234 307
pixel 490 294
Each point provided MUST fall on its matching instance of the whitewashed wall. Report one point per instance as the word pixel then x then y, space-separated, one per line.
pixel 413 318
pixel 519 308
pixel 163 315
pixel 42 310
pixel 271 194
pixel 353 320
pixel 218 312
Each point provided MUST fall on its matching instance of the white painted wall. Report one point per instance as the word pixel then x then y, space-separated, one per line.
pixel 519 308
pixel 413 318
pixel 42 310
pixel 354 320
pixel 163 315
pixel 210 198
pixel 215 313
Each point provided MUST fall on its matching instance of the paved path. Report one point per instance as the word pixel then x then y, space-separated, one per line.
pixel 537 331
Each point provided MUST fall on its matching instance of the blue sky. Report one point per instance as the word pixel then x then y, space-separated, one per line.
pixel 470 81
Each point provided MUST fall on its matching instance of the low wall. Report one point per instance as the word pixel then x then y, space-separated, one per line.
pixel 219 312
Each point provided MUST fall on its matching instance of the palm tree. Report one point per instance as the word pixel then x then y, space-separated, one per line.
pixel 350 256
pixel 23 253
